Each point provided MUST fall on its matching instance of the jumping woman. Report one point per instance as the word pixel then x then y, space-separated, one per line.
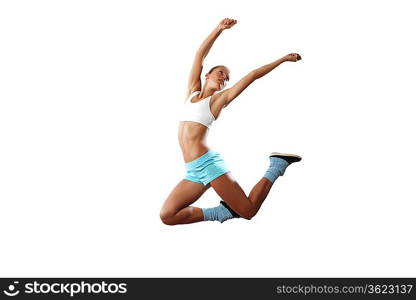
pixel 204 167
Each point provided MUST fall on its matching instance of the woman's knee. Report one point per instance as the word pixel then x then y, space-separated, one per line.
pixel 247 211
pixel 249 215
pixel 167 216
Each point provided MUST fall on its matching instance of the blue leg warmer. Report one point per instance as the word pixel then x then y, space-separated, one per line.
pixel 219 213
pixel 277 168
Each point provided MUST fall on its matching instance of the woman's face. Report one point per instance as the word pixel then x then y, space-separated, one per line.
pixel 218 78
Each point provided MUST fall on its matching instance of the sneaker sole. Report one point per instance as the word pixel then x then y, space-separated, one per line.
pixel 291 158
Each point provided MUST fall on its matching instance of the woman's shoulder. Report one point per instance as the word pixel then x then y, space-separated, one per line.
pixel 190 95
pixel 218 97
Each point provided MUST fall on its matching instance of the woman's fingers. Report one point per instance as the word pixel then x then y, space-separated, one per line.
pixel 228 23
pixel 232 23
pixel 293 57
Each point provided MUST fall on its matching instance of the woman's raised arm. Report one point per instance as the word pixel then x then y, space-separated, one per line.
pixel 194 82
pixel 231 93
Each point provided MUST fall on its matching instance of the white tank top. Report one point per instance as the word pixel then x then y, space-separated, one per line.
pixel 199 112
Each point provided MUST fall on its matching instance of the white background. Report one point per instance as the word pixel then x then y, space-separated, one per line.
pixel 89 95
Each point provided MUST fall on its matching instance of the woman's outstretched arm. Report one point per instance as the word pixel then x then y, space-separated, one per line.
pixel 260 72
pixel 231 93
pixel 194 83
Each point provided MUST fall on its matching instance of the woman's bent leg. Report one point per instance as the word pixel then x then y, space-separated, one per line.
pixel 177 209
pixel 232 194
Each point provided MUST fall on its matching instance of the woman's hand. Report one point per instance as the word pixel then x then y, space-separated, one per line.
pixel 292 57
pixel 227 23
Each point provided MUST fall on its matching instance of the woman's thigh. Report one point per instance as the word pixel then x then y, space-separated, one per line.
pixel 231 192
pixel 183 194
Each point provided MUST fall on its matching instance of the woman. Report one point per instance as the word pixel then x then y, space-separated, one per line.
pixel 205 168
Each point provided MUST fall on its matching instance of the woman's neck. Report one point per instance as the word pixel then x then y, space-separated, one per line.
pixel 206 92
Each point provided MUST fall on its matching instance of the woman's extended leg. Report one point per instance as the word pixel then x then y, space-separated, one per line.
pixel 177 209
pixel 231 192
pixel 233 195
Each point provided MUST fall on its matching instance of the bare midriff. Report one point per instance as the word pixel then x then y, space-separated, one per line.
pixel 192 139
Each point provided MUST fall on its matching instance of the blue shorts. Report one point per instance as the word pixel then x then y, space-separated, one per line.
pixel 206 168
